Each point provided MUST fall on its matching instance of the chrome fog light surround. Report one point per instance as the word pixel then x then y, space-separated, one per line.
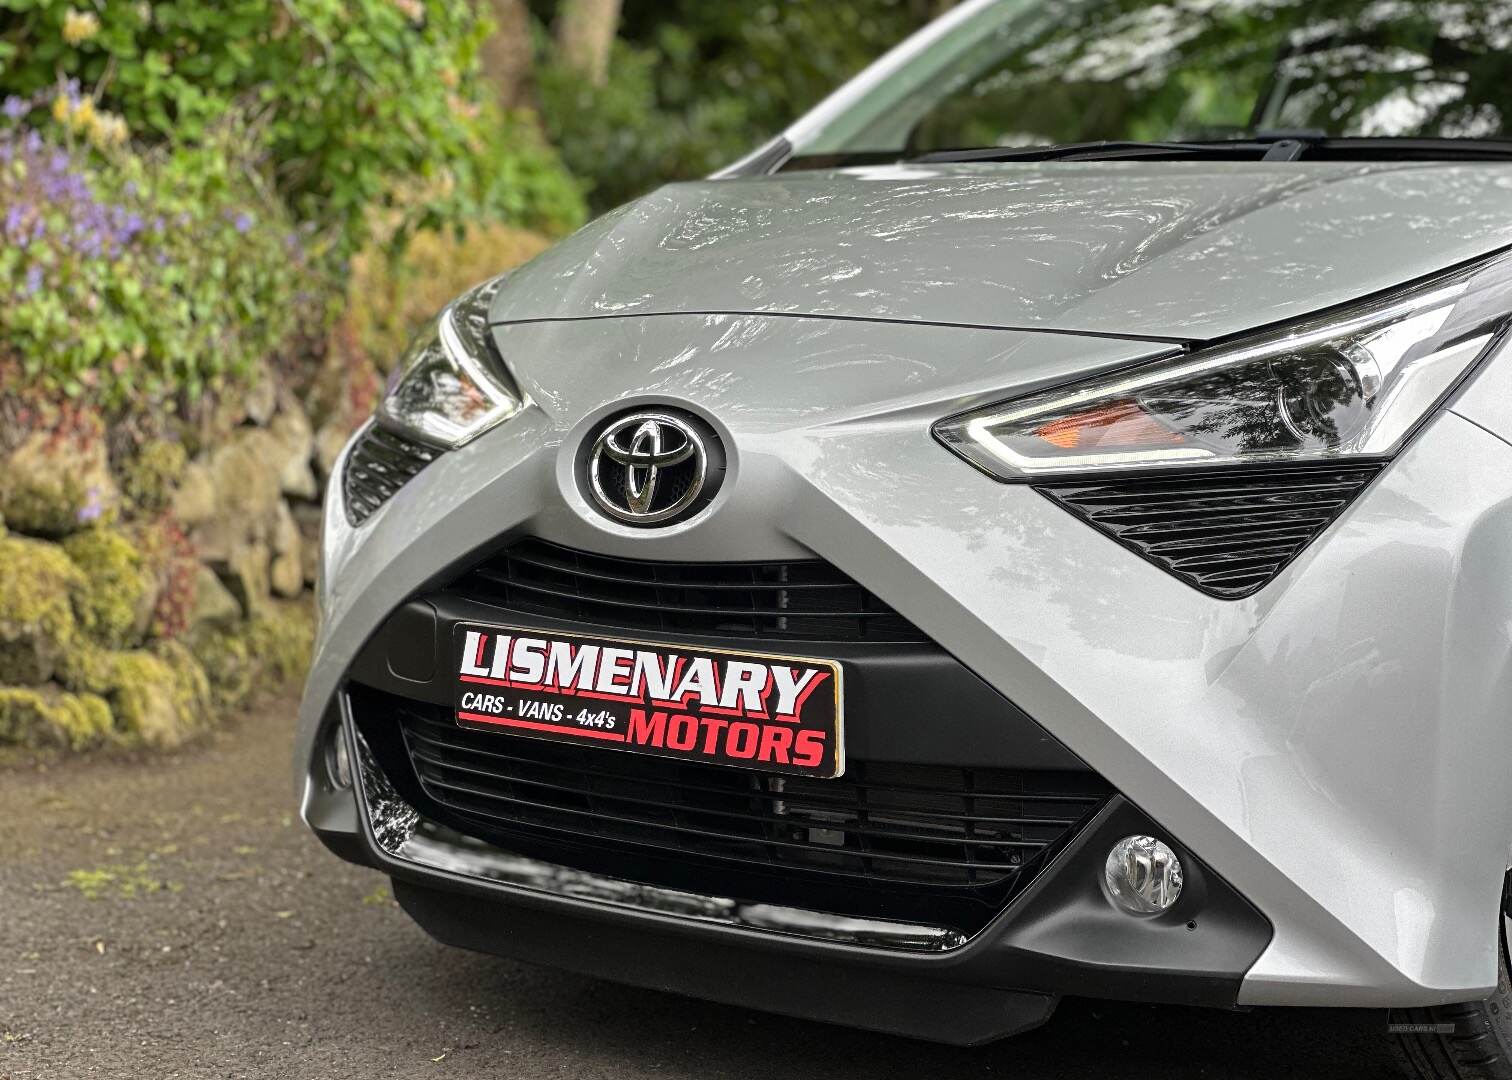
pixel 338 759
pixel 1143 875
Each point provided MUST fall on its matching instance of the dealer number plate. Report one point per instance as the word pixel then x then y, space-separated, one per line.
pixel 779 714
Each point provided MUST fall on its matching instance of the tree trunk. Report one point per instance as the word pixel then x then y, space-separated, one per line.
pixel 506 53
pixel 585 32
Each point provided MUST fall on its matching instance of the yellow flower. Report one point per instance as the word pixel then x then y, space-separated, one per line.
pixel 83 115
pixel 61 109
pixel 80 26
pixel 107 130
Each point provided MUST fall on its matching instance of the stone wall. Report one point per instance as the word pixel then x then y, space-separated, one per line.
pixel 145 594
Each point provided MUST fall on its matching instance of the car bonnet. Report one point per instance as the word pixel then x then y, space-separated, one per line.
pixel 1185 251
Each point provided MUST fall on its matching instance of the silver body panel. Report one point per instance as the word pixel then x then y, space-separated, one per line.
pixel 1180 250
pixel 1334 746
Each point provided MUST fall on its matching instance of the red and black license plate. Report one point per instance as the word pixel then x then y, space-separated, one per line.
pixel 751 710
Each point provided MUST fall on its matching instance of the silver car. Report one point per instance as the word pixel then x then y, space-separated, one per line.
pixel 1041 526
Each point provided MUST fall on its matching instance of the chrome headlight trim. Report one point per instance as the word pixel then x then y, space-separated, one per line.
pixel 451 385
pixel 1351 384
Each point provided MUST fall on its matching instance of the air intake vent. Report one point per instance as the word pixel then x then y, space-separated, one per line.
pixel 887 839
pixel 1227 532
pixel 806 600
pixel 380 464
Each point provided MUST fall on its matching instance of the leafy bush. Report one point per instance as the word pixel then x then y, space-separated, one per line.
pixel 694 85
pixel 141 275
pixel 622 139
pixel 351 97
pixel 389 300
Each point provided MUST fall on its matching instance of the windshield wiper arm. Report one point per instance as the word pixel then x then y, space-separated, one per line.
pixel 1102 151
pixel 1277 146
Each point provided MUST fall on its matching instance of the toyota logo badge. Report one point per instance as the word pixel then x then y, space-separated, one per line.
pixel 649 468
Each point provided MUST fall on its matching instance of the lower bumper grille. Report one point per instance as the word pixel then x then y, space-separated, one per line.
pixel 884 840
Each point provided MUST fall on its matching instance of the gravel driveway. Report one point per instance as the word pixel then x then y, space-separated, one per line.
pixel 169 917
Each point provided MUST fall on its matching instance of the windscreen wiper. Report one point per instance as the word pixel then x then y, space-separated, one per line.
pixel 1288 146
pixel 1107 150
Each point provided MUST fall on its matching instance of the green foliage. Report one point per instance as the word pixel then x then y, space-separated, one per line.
pixel 142 276
pixel 693 85
pixel 353 99
pixel 390 299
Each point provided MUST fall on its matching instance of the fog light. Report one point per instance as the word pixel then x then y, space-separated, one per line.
pixel 338 761
pixel 1143 875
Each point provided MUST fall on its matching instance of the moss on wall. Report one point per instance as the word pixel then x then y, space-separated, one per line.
pixel 116 608
pixel 158 697
pixel 48 717
pixel 150 477
pixel 38 589
pixel 271 649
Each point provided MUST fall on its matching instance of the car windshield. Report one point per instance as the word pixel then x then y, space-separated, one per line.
pixel 1042 72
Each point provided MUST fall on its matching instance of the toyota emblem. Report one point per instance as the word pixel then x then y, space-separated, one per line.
pixel 649 468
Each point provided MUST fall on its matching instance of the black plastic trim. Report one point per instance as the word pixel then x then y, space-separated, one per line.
pixel 1093 499
pixel 763 161
pixel 889 687
pixel 1062 936
pixel 731 972
pixel 379 463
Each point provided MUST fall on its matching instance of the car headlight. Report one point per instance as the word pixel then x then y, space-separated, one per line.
pixel 1353 383
pixel 451 386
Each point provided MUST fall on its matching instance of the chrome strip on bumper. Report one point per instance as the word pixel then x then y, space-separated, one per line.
pixel 403 833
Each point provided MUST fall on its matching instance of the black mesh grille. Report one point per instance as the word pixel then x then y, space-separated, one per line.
pixel 884 831
pixel 1226 532
pixel 802 600
pixel 380 464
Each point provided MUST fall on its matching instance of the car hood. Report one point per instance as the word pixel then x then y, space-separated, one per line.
pixel 1173 250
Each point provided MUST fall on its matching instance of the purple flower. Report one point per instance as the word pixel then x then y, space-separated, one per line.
pixel 15 221
pixel 243 222
pixel 15 108
pixel 33 281
pixel 92 508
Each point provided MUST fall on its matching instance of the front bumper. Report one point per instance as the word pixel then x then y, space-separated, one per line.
pixel 1058 936
pixel 1332 747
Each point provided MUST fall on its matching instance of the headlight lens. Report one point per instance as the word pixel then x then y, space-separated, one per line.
pixel 1354 383
pixel 449 388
